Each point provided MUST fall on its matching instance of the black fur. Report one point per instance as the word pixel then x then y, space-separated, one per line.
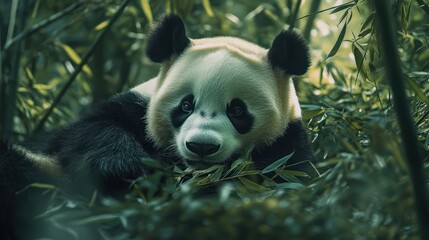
pixel 103 147
pixel 178 115
pixel 167 39
pixel 106 146
pixel 294 140
pixel 100 151
pixel 12 176
pixel 290 53
pixel 242 123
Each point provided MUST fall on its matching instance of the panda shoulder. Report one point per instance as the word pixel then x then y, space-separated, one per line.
pixel 147 88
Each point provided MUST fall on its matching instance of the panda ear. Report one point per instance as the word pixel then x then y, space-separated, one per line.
pixel 290 53
pixel 168 38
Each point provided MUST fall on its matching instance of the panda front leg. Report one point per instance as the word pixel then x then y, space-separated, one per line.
pixel 106 147
pixel 101 160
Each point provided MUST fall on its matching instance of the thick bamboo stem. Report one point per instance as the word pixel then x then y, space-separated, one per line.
pixel 386 30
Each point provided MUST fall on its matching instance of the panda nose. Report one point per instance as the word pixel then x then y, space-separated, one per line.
pixel 202 149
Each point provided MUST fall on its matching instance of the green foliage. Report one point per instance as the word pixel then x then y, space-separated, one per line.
pixel 363 192
pixel 357 198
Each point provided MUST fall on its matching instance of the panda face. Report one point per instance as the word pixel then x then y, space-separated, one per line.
pixel 215 99
pixel 213 104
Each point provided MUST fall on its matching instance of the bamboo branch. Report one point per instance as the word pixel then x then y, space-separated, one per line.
pixel 43 24
pixel 79 67
pixel 392 62
pixel 294 15
pixel 2 80
pixel 11 88
pixel 424 6
pixel 12 19
pixel 315 4
pixel 324 10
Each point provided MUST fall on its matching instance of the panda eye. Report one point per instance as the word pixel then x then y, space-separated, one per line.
pixel 236 111
pixel 186 106
pixel 239 116
pixel 182 110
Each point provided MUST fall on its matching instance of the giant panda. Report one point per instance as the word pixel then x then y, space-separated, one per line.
pixel 213 100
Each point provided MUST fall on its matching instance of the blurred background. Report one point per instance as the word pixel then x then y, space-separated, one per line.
pixel 43 41
pixel 346 98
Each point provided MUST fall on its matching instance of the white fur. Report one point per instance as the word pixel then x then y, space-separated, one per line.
pixel 215 71
pixel 46 163
pixel 147 88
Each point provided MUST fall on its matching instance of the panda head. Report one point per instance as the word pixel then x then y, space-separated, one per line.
pixel 217 98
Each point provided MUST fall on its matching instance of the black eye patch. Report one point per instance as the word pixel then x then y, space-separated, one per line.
pixel 239 116
pixel 182 111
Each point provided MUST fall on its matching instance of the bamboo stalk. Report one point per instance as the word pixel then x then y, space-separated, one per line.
pixel 386 30
pixel 424 6
pixel 79 67
pixel 294 16
pixel 2 79
pixel 42 24
pixel 11 87
pixel 315 5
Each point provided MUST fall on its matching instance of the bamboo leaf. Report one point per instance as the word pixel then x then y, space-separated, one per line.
pixel 177 169
pixel 416 88
pixel 290 185
pixel 275 18
pixel 358 56
pixel 216 176
pixel 204 181
pixel 38 185
pixel 368 21
pixel 350 17
pixel 93 198
pixel 207 170
pixel 101 25
pixel 277 163
pixel 427 140
pixel 35 9
pixel 75 57
pixel 97 219
pixel 252 185
pixel 309 114
pixel 342 7
pixel 345 14
pixel 365 33
pixel 286 176
pixel 253 13
pixel 42 185
pixel 234 19
pixel 71 53
pixel 208 8
pixel 168 7
pixel 234 165
pixel 30 76
pixel 337 44
pixel 147 10
pixel 424 56
pixel 404 20
pixel 296 173
pixel 424 6
pixel 372 67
